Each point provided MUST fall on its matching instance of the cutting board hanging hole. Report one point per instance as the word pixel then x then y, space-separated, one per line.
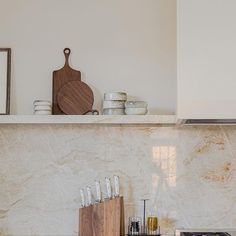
pixel 67 52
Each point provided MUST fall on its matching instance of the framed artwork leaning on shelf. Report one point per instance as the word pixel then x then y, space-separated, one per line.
pixel 5 79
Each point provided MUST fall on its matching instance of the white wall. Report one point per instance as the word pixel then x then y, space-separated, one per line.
pixel 118 45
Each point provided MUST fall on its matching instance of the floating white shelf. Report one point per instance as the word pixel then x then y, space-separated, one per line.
pixel 88 119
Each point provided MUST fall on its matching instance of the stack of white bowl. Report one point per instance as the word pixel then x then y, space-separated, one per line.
pixel 42 107
pixel 136 108
pixel 114 103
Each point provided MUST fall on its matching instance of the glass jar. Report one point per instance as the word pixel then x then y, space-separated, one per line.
pixel 152 224
pixel 134 225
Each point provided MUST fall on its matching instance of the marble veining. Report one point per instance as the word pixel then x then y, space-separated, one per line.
pixel 188 174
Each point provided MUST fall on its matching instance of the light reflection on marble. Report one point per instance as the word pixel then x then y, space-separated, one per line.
pixel 187 173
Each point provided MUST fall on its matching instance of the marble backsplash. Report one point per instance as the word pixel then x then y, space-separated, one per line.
pixel 188 174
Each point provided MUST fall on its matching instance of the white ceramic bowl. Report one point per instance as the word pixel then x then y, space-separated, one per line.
pixel 136 104
pixel 114 112
pixel 42 108
pixel 42 103
pixel 42 113
pixel 116 96
pixel 113 104
pixel 136 111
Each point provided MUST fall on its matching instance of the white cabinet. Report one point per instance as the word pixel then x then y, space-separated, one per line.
pixel 206 59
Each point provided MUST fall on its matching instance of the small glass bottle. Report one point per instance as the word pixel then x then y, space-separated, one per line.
pixel 134 225
pixel 152 224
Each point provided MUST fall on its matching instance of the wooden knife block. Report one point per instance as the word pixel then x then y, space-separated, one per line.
pixel 103 219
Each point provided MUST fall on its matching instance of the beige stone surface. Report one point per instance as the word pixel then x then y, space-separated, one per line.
pixel 188 174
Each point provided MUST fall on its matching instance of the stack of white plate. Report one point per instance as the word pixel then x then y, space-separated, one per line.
pixel 42 107
pixel 136 108
pixel 114 103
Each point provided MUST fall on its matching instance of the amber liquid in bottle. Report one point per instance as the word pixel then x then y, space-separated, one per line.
pixel 152 224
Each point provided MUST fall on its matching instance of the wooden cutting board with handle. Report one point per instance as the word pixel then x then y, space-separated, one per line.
pixel 60 78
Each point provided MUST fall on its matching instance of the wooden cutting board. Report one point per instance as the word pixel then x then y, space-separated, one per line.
pixel 75 98
pixel 60 78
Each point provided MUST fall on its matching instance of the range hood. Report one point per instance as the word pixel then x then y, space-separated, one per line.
pixel 206 62
pixel 207 121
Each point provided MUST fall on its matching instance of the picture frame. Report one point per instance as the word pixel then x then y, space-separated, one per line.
pixel 5 79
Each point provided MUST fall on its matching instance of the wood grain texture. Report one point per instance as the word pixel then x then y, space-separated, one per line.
pixel 98 220
pixel 85 221
pixel 105 219
pixel 75 98
pixel 122 217
pixel 60 78
pixel 113 217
